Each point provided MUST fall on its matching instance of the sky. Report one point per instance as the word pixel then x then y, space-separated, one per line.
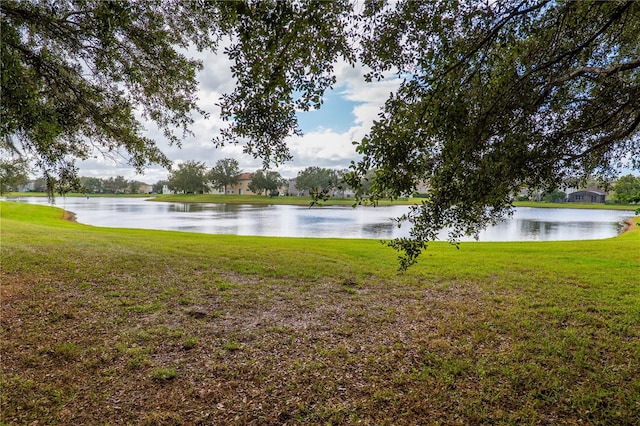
pixel 347 115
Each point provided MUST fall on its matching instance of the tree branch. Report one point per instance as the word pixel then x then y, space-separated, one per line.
pixel 612 138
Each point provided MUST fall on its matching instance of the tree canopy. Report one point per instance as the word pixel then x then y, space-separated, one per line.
pixel 226 172
pixel 13 173
pixel 77 75
pixel 268 181
pixel 499 95
pixel 496 95
pixel 627 189
pixel 189 177
pixel 319 181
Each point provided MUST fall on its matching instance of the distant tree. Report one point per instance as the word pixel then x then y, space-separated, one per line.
pixel 341 184
pixel 13 173
pixel 116 185
pixel 66 181
pixel 121 184
pixel 189 177
pixel 226 172
pixel 364 183
pixel 267 181
pixel 627 188
pixel 134 187
pixel 555 196
pixel 40 185
pixel 92 185
pixel 318 181
pixel 109 185
pixel 157 187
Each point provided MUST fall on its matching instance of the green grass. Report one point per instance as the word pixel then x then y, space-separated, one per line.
pixel 164 374
pixel 120 326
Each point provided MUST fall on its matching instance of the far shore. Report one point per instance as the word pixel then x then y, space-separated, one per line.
pixel 296 200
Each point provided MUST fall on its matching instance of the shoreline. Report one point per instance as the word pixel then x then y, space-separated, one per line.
pixel 305 201
pixel 628 225
pixel 70 216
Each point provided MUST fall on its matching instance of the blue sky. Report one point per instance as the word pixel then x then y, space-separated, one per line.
pixel 336 114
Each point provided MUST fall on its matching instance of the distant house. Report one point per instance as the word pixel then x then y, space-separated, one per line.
pixel 211 190
pixel 27 187
pixel 587 196
pixel 242 187
pixel 144 188
pixel 422 187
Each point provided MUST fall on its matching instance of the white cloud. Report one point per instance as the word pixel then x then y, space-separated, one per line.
pixel 327 148
pixel 323 147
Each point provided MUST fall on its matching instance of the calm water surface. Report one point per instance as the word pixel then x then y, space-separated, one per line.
pixel 527 224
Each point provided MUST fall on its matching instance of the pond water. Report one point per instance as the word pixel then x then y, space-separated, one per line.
pixel 526 224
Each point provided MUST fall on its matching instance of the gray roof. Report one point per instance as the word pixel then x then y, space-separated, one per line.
pixel 590 191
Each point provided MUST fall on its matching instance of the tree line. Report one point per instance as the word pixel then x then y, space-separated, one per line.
pixel 319 182
pixel 196 177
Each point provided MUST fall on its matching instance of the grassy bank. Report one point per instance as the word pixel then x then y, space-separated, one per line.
pixel 109 326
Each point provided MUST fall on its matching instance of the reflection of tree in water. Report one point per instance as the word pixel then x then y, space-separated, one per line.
pixel 199 207
pixel 379 230
pixel 126 208
pixel 537 227
pixel 179 208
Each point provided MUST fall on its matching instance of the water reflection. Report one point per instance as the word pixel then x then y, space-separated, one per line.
pixel 378 230
pixel 325 222
pixel 536 227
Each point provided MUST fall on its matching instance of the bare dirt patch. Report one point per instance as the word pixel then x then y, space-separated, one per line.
pixel 629 225
pixel 70 216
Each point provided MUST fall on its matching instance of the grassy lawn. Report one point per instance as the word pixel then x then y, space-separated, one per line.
pixel 113 326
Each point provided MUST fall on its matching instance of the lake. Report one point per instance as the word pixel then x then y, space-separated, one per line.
pixel 526 224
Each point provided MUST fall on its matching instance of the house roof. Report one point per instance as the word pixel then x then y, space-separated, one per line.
pixel 245 176
pixel 590 191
